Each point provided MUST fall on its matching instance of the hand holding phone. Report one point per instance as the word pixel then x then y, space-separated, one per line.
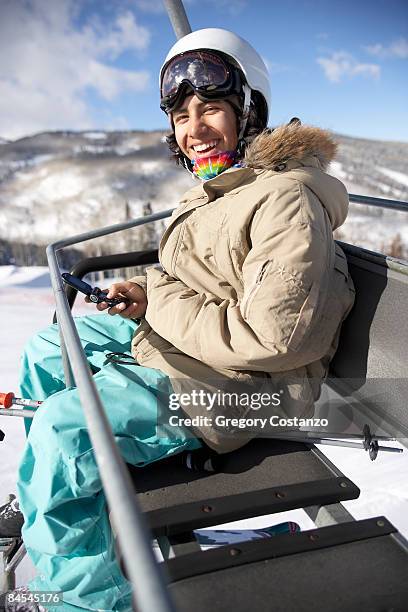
pixel 95 295
pixel 126 298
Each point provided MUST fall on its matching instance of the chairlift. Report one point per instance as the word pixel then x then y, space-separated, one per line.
pixel 334 566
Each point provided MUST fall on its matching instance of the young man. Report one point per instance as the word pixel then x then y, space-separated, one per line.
pixel 252 289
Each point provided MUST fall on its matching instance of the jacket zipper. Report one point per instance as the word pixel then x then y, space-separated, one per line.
pixel 258 280
pixel 261 272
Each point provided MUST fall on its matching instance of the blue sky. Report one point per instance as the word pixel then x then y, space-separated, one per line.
pixel 87 64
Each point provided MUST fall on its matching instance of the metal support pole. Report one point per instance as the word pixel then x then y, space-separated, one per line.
pixel 332 514
pixel 177 545
pixel 178 17
pixel 11 565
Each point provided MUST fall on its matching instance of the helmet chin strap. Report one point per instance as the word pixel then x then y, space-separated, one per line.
pixel 186 164
pixel 245 110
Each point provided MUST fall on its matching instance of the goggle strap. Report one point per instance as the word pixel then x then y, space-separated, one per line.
pixel 245 110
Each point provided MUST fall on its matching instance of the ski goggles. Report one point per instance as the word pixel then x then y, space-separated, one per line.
pixel 208 75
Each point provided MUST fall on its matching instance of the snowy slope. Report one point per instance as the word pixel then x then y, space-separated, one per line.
pixel 27 305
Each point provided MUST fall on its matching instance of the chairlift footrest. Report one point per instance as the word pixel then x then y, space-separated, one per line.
pixel 190 516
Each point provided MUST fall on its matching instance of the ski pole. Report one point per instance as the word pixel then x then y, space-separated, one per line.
pixel 7 400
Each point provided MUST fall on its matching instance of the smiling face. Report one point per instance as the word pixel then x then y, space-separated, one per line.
pixel 204 128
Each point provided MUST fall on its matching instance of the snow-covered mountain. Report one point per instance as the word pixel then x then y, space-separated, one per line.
pixel 376 167
pixel 53 185
pixel 56 184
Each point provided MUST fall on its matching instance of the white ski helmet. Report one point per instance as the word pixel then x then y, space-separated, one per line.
pixel 239 50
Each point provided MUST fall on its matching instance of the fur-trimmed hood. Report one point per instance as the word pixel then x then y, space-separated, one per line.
pixel 304 153
pixel 290 142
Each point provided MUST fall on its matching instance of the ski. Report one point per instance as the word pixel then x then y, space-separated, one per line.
pixel 223 537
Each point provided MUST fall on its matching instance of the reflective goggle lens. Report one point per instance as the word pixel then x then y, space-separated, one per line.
pixel 200 69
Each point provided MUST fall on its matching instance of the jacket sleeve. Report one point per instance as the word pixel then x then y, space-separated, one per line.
pixel 140 280
pixel 283 274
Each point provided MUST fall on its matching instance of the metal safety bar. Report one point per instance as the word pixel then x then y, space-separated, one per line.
pixel 379 202
pixel 150 592
pixel 132 531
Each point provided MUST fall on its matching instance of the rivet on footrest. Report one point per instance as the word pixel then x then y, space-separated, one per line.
pixel 207 508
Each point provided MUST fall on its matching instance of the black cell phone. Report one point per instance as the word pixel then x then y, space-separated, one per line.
pixel 95 294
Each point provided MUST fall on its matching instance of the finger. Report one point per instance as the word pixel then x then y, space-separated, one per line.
pixel 118 309
pixel 102 306
pixel 119 296
pixel 116 289
pixel 132 311
pixel 124 310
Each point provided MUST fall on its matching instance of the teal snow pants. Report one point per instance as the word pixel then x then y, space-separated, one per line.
pixel 66 530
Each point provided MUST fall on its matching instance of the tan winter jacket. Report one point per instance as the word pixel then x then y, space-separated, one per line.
pixel 253 286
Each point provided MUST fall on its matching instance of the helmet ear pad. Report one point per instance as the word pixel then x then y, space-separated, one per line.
pixel 236 104
pixel 256 122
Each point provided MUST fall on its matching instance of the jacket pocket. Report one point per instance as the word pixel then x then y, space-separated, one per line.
pixel 248 299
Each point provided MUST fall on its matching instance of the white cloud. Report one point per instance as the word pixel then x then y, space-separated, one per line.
pixel 342 64
pixel 398 49
pixel 109 81
pixel 48 64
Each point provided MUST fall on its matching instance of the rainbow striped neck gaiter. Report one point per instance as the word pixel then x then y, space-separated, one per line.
pixel 206 168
